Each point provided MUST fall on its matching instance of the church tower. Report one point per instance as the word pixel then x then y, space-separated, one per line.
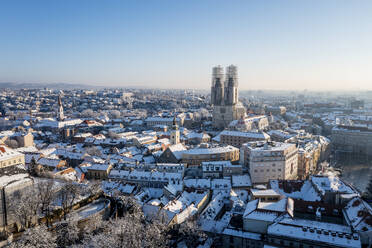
pixel 175 133
pixel 217 89
pixel 60 115
pixel 224 97
pixel 231 85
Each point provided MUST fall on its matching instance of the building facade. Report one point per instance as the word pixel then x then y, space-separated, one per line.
pixel 237 138
pixel 270 160
pixel 356 141
pixel 10 157
pixel 198 155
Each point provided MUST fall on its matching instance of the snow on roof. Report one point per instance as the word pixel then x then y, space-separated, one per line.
pixel 316 224
pixel 158 118
pixel 241 234
pixel 252 135
pixel 7 153
pixel 302 190
pixel 330 183
pixel 279 206
pixel 325 237
pixel 221 183
pixel 194 135
pixel 241 181
pixel 146 175
pixel 251 206
pixel 197 183
pixel 59 124
pixel 213 150
pixel 51 162
pixel 185 200
pixel 101 167
pixel 28 149
pixel 149 159
pixel 214 207
pixel 262 215
pixel 266 192
pixel 177 150
pixel 261 146
pixel 123 188
pixel 358 214
pixel 119 173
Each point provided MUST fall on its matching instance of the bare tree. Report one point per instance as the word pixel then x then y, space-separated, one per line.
pixel 24 207
pixel 92 188
pixel 45 196
pixel 67 196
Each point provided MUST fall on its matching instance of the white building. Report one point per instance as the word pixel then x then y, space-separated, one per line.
pixel 270 160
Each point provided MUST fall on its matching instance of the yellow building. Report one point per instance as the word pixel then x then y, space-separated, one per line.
pixel 10 157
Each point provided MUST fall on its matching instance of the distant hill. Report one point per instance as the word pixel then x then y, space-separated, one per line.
pixel 10 85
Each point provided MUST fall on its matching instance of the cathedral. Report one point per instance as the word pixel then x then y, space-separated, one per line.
pixel 224 96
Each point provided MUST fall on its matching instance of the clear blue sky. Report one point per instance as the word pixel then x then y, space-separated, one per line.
pixel 276 44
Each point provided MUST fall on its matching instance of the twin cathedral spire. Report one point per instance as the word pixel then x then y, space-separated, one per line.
pixel 224 89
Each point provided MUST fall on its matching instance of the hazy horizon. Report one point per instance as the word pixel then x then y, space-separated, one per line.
pixel 277 45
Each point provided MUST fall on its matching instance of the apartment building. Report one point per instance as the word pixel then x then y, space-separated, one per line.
pixel 270 160
pixel 237 139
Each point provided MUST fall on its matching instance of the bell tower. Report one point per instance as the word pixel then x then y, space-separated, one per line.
pixel 175 133
pixel 60 115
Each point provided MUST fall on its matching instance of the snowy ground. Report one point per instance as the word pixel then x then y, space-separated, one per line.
pixel 89 210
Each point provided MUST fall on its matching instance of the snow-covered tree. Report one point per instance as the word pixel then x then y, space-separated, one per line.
pixel 33 168
pixel 38 237
pixel 23 207
pixel 68 234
